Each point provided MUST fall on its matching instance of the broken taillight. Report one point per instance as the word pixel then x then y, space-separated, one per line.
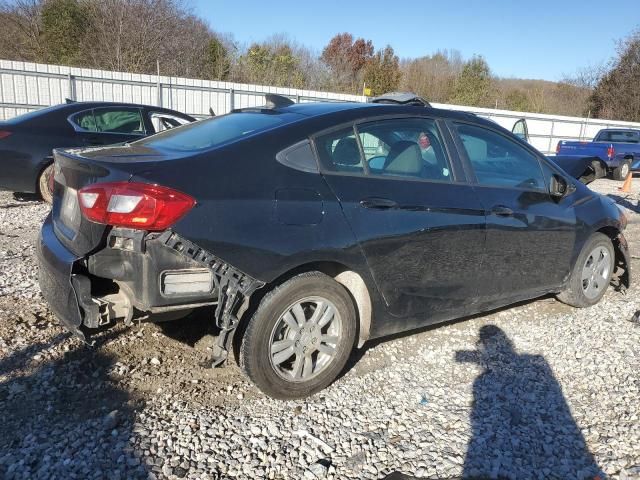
pixel 611 151
pixel 134 205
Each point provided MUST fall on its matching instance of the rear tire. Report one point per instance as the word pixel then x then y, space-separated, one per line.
pixel 621 172
pixel 300 337
pixel 591 274
pixel 43 184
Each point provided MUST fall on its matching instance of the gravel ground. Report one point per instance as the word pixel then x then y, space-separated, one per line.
pixel 539 390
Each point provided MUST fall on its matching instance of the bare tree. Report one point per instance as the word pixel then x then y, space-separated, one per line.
pixel 20 33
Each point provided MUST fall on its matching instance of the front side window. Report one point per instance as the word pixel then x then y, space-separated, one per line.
pixel 409 147
pixel 118 120
pixel 339 151
pixel 498 161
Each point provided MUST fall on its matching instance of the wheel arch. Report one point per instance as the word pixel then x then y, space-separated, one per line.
pixel 41 168
pixel 351 280
pixel 621 251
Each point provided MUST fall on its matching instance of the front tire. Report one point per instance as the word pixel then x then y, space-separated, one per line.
pixel 621 172
pixel 43 184
pixel 591 274
pixel 300 337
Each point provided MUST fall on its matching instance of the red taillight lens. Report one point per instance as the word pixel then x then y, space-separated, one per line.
pixel 558 148
pixel 134 205
pixel 4 134
pixel 611 152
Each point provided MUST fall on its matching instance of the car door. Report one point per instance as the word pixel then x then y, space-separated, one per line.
pixel 419 224
pixel 108 125
pixel 521 130
pixel 530 235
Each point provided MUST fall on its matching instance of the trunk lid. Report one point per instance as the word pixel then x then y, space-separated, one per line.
pixel 77 168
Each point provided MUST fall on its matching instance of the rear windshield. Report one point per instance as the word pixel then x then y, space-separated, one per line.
pixel 620 136
pixel 216 131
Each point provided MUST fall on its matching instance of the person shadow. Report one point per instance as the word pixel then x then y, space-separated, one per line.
pixel 521 424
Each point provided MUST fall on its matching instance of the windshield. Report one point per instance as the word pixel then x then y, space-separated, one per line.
pixel 216 131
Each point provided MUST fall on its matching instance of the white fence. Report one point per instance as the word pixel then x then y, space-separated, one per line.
pixel 29 86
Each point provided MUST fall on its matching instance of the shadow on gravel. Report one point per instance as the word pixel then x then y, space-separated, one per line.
pixel 521 424
pixel 26 197
pixel 65 418
pixel 359 353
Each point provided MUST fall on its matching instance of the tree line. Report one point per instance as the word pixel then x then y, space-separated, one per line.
pixel 141 36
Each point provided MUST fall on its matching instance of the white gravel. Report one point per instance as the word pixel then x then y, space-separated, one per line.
pixel 539 390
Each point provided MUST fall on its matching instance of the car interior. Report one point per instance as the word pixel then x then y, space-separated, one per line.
pixel 390 149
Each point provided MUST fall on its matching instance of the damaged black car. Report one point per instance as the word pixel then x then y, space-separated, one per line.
pixel 308 229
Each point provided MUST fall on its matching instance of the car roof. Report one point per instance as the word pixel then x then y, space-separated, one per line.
pixel 372 109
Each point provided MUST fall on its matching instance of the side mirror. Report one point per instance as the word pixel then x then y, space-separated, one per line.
pixel 559 187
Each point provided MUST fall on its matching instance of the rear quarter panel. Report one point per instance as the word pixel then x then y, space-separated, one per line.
pixel 237 216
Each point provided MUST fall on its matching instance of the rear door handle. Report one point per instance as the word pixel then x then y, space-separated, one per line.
pixel 379 203
pixel 502 211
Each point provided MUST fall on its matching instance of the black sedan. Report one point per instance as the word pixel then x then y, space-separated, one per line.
pixel 27 141
pixel 309 229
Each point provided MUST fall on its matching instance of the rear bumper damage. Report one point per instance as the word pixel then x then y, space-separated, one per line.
pixel 140 274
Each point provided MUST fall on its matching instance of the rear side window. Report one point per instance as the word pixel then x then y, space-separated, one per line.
pixel 408 147
pixel 618 136
pixel 213 132
pixel 498 161
pixel 339 151
pixel 86 121
pixel 118 120
pixel 110 120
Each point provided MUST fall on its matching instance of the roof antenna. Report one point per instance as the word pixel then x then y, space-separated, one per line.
pixel 211 112
pixel 277 101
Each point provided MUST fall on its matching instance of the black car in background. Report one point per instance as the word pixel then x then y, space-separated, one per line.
pixel 27 141
pixel 309 229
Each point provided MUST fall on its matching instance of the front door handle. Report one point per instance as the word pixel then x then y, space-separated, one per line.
pixel 379 203
pixel 502 211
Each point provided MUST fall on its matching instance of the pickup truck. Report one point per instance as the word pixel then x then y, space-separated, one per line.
pixel 618 148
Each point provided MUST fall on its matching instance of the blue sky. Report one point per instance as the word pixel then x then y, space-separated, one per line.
pixel 522 38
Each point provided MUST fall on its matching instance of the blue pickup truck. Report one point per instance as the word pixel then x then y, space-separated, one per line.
pixel 618 148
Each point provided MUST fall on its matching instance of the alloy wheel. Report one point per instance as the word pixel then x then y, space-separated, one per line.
pixel 304 340
pixel 596 272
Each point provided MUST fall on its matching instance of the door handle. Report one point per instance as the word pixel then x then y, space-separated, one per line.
pixel 379 203
pixel 502 211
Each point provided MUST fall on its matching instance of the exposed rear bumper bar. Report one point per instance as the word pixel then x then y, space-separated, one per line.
pixel 132 267
pixel 55 271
